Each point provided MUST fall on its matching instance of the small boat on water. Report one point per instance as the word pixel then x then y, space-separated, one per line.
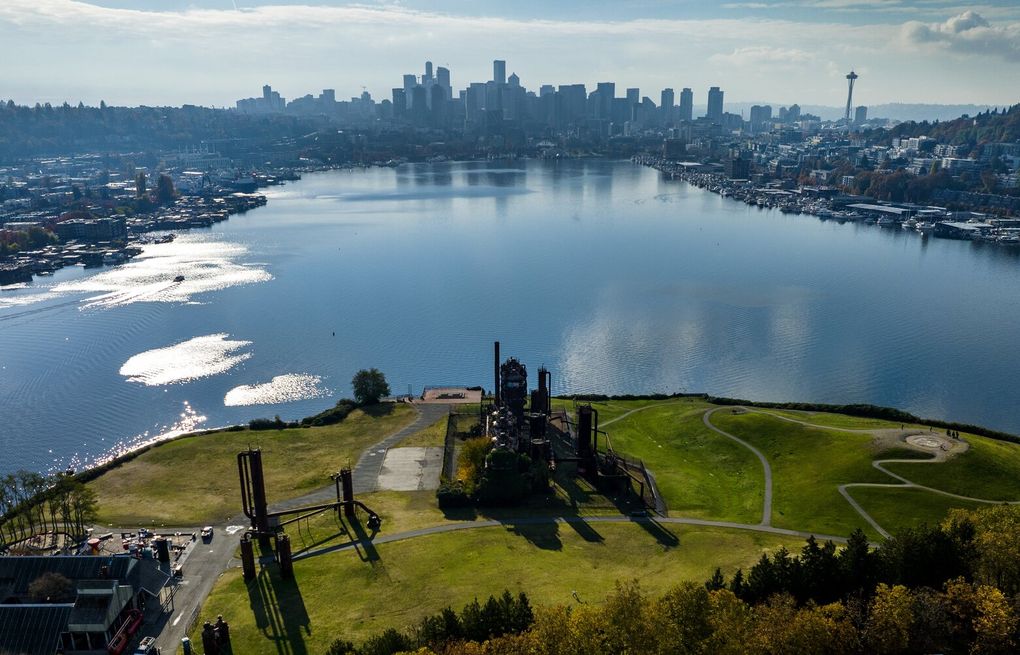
pixel 925 226
pixel 179 278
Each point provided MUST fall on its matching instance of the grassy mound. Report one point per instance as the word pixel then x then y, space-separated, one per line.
pixel 989 469
pixel 193 480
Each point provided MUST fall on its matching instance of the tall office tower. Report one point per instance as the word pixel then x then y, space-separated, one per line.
pixel 443 80
pixel 328 97
pixel 474 100
pixel 546 89
pixel 793 113
pixel 666 102
pixel 267 92
pixel 667 99
pixel 851 78
pixel 499 71
pixel 633 96
pixel 606 91
pixel 861 115
pixel 573 101
pixel 514 81
pixel 438 105
pixel 686 105
pixel 419 103
pixel 428 71
pixel 715 104
pixel 410 81
pixel 399 102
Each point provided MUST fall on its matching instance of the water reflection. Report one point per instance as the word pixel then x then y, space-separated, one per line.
pixel 186 361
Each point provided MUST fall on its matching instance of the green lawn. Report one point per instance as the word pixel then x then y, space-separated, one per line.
pixel 808 464
pixel 837 420
pixel 700 473
pixel 608 410
pixel 433 435
pixel 908 507
pixel 989 469
pixel 193 481
pixel 341 593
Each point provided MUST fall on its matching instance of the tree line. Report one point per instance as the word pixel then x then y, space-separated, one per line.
pixel 32 504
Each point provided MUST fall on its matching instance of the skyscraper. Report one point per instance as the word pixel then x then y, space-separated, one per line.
pixel 410 81
pixel 428 71
pixel 633 96
pixel 715 104
pixel 861 115
pixel 443 80
pixel 666 103
pixel 606 91
pixel 499 71
pixel 686 105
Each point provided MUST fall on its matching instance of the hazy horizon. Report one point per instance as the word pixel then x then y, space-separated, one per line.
pixel 206 52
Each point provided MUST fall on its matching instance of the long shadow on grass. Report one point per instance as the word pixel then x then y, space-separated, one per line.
pixel 279 611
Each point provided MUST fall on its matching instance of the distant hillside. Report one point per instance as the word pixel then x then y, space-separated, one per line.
pixel 980 128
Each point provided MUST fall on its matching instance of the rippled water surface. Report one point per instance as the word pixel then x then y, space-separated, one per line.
pixel 617 280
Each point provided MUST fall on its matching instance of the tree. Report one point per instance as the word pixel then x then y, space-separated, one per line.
pixel 165 192
pixel 891 619
pixel 49 588
pixel 369 386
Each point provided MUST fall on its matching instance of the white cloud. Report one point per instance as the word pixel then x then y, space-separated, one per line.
pixel 128 56
pixel 968 33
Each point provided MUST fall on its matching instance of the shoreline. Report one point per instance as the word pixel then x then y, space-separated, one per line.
pixel 879 412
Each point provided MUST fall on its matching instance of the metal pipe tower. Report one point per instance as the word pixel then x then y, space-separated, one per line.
pixel 850 94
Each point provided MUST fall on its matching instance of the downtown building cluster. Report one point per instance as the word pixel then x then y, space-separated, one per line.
pixel 503 105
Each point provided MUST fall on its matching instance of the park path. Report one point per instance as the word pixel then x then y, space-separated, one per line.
pixel 766 511
pixel 557 520
pixel 634 411
pixel 903 482
pixel 366 471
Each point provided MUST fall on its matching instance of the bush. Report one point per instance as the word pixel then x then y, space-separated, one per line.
pixel 387 643
pixel 333 415
pixel 274 423
pixel 452 494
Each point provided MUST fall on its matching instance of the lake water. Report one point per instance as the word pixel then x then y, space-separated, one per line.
pixel 615 279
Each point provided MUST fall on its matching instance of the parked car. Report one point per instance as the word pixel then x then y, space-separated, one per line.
pixel 207 533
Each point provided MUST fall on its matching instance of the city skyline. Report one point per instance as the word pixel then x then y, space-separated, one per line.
pixel 206 52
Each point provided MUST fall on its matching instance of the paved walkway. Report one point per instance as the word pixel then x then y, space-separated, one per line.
pixel 366 471
pixel 548 520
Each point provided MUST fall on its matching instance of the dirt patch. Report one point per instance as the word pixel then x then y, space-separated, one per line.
pixel 940 445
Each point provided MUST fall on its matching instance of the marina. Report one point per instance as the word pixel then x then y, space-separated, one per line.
pixel 828 203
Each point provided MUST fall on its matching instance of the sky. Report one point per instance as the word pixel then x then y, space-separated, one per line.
pixel 212 52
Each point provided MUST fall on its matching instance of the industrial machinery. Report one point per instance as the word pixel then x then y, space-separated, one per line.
pixel 518 427
pixel 270 525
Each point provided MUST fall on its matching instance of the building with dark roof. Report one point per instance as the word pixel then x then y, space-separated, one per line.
pixel 109 599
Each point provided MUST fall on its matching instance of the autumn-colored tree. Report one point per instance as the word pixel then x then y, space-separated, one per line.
pixel 891 618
